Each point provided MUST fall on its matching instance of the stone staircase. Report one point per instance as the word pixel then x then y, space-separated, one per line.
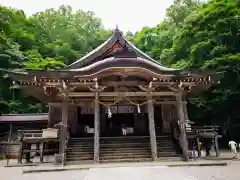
pixel 79 150
pixel 120 149
pixel 125 149
pixel 166 147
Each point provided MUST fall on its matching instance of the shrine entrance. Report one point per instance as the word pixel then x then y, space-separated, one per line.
pixel 117 122
pixel 116 118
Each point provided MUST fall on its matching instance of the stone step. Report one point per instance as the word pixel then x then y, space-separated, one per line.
pixel 77 162
pixel 166 150
pixel 126 154
pixel 125 160
pixel 79 145
pixel 82 143
pixel 120 149
pixel 109 155
pixel 72 156
pixel 124 140
pixel 167 154
pixel 124 150
pixel 120 142
pixel 79 149
pixel 166 146
pixel 80 153
pixel 119 157
pixel 78 158
pixel 125 144
pixel 159 145
pixel 114 150
pixel 81 138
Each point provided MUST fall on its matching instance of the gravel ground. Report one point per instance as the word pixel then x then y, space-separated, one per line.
pixel 230 172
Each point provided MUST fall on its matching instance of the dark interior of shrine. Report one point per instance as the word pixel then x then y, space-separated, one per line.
pixel 111 125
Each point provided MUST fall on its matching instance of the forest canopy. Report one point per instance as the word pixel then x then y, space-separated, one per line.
pixel 193 34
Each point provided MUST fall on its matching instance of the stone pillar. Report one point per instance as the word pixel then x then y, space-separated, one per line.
pixel 152 132
pixel 63 128
pixel 183 135
pixel 96 128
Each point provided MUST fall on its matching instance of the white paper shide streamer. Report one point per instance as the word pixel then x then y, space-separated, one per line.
pixel 109 112
pixel 138 109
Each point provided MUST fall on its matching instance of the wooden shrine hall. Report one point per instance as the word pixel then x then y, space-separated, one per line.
pixel 116 94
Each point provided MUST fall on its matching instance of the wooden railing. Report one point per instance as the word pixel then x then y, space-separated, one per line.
pixel 202 130
pixel 196 131
pixel 176 135
pixel 30 134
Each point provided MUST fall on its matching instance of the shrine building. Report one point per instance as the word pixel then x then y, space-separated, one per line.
pixel 117 103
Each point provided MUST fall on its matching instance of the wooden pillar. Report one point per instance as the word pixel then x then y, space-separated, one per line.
pixel 63 129
pixel 198 147
pixel 216 146
pixel 183 135
pixel 152 129
pixel 185 110
pixel 42 151
pixel 20 152
pixel 96 128
pixel 50 111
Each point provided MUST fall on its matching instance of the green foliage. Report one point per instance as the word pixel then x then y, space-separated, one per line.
pixel 202 36
pixel 47 40
pixel 194 34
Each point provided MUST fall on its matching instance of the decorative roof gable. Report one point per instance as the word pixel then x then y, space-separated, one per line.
pixel 115 45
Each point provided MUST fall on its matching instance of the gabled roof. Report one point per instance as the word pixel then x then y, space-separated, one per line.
pixel 117 37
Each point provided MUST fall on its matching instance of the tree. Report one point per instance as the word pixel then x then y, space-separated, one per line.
pixel 47 40
pixel 209 39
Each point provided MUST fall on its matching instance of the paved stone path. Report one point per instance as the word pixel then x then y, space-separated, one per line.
pixel 230 172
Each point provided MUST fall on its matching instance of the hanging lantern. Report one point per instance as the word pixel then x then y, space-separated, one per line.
pixel 138 109
pixel 109 113
pixel 13 82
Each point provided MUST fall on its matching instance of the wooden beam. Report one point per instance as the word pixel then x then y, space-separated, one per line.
pixel 117 83
pixel 92 94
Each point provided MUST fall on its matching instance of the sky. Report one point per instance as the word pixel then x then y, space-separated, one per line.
pixel 129 15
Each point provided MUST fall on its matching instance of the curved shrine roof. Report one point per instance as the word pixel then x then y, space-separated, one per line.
pixel 122 63
pixel 102 51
